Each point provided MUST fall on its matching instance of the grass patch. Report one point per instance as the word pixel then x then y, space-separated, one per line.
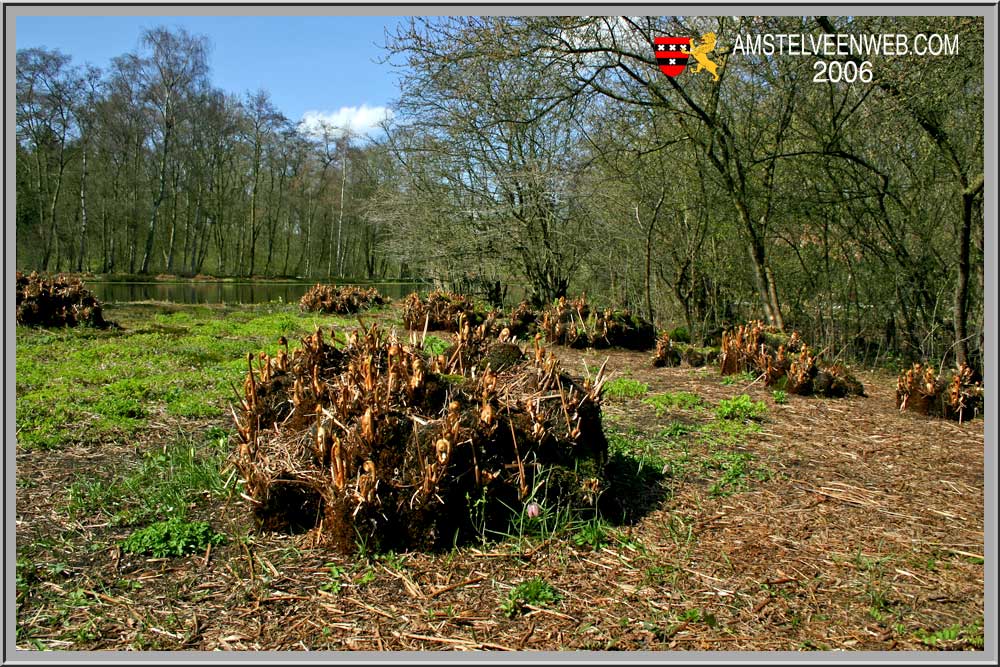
pixel 167 481
pixel 780 396
pixel 746 377
pixel 534 519
pixel 727 432
pixel 733 472
pixel 625 388
pixel 741 408
pixel 683 400
pixel 80 386
pixel 646 452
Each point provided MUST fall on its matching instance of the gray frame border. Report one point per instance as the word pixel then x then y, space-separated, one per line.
pixel 887 8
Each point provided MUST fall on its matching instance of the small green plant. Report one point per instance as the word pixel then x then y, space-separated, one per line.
pixel 173 537
pixel 535 592
pixel 684 400
pixel 970 634
pixel 433 345
pixel 690 615
pixel 625 388
pixel 366 577
pixel 477 515
pixel 336 579
pixel 391 560
pixel 676 430
pixel 655 575
pixel 746 377
pixel 592 533
pixel 741 408
pixel 780 396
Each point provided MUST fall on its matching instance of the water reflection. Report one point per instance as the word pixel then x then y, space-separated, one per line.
pixel 223 292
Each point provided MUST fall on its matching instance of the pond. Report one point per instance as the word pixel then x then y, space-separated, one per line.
pixel 225 292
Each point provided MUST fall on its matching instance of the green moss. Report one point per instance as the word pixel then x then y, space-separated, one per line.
pixel 680 335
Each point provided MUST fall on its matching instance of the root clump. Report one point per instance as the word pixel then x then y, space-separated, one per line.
pixel 374 442
pixel 957 396
pixel 785 360
pixel 342 300
pixel 440 311
pixel 57 301
pixel 574 324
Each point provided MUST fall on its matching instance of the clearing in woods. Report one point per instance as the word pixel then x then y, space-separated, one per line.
pixel 776 523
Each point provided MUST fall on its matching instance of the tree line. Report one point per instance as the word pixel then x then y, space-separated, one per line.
pixel 149 168
pixel 542 156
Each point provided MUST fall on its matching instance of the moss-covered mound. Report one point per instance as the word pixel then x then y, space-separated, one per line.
pixel 672 352
pixel 958 395
pixel 57 301
pixel 342 300
pixel 784 360
pixel 374 442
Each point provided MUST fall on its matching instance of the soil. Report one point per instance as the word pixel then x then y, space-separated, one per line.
pixel 867 535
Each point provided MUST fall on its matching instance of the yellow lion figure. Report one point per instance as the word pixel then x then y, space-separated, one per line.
pixel 700 54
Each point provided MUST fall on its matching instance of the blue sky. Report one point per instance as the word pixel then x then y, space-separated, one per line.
pixel 319 64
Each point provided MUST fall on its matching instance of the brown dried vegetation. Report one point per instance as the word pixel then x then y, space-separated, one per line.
pixel 57 301
pixel 440 311
pixel 779 357
pixel 958 396
pixel 574 324
pixel 523 321
pixel 373 442
pixel 343 300
pixel 868 536
pixel 666 354
pixel 670 353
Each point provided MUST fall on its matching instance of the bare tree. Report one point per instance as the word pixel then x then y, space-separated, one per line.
pixel 46 94
pixel 175 67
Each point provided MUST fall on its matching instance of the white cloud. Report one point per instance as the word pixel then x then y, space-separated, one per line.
pixel 360 120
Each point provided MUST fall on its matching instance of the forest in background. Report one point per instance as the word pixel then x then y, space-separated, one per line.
pixel 545 156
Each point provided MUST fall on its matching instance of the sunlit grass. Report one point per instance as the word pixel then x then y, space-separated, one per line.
pixel 78 385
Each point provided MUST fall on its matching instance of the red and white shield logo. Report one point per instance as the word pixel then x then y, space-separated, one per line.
pixel 672 54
